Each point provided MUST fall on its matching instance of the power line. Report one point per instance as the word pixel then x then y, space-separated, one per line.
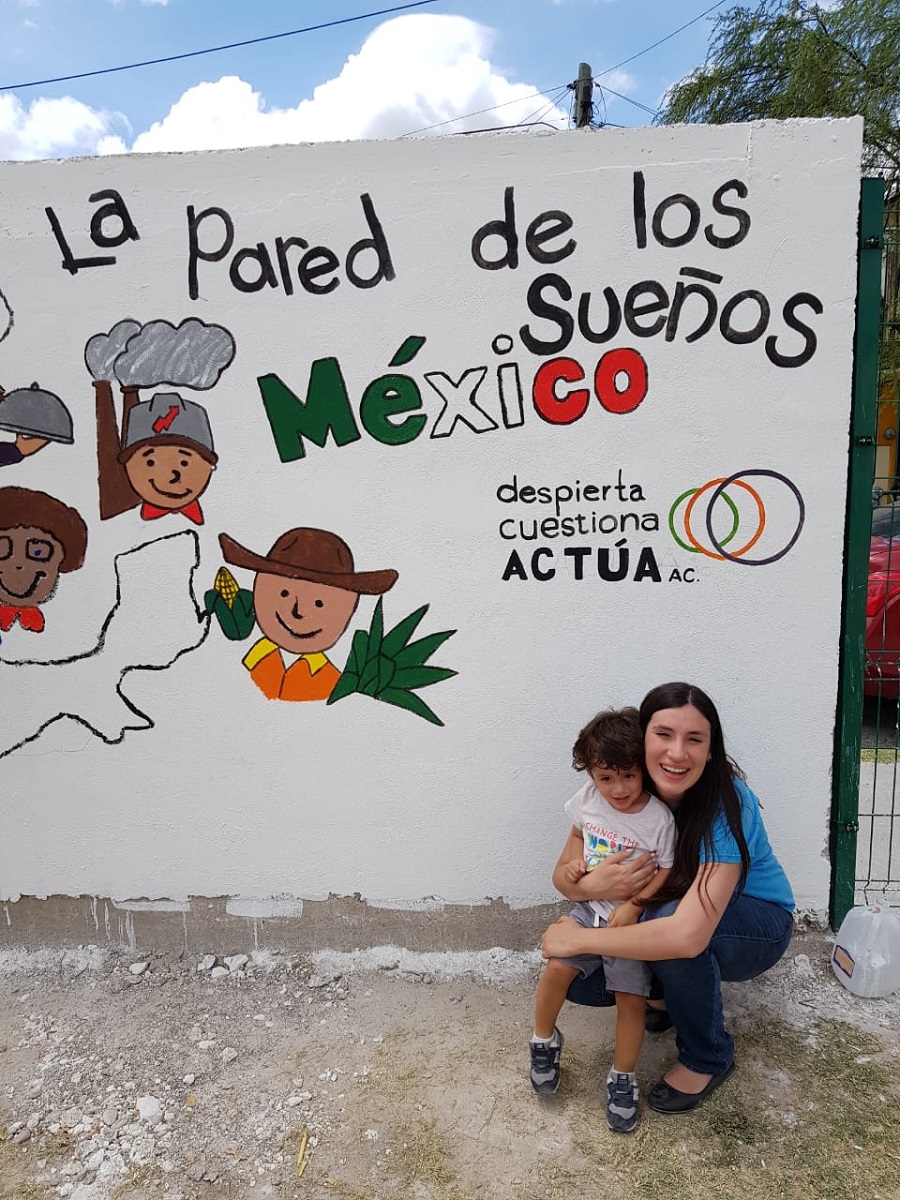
pixel 362 17
pixel 606 71
pixel 544 108
pixel 271 37
pixel 667 38
pixel 507 128
pixel 621 96
pixel 559 87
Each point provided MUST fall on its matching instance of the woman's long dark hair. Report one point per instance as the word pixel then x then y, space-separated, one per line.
pixel 713 792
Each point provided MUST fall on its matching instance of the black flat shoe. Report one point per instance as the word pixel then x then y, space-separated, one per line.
pixel 656 1020
pixel 666 1099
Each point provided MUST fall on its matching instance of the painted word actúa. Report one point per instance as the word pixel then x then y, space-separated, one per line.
pixel 613 564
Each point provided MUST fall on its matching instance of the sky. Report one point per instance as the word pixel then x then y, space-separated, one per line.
pixel 435 70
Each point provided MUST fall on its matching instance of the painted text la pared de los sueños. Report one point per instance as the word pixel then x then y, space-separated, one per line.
pixel 692 304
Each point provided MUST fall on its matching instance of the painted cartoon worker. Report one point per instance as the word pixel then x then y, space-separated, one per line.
pixel 37 417
pixel 305 594
pixel 40 539
pixel 164 462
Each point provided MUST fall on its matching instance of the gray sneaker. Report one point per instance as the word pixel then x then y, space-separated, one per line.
pixel 545 1064
pixel 622 1103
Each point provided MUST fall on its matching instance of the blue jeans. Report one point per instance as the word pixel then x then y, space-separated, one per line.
pixel 750 938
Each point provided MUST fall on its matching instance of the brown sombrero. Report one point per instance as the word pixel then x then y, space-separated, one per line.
pixel 312 554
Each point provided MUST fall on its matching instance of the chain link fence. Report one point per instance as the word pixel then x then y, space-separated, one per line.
pixel 878 840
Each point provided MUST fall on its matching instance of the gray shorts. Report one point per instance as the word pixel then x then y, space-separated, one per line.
pixel 622 974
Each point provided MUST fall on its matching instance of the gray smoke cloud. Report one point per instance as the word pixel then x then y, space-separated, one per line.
pixel 192 355
pixel 103 349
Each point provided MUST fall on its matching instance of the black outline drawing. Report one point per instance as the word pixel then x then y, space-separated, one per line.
pixel 148 723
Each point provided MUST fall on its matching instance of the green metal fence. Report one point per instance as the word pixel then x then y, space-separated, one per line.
pixel 865 834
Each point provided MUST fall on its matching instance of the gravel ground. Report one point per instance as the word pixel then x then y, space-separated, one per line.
pixel 379 1073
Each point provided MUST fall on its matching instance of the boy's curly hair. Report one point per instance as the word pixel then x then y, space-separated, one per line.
pixel 612 739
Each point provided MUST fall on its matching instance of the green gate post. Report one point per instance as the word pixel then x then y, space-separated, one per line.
pixel 863 424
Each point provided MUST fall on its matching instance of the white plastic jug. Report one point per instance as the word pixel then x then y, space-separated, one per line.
pixel 866 956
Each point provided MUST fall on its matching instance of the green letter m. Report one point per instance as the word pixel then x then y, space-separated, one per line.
pixel 326 409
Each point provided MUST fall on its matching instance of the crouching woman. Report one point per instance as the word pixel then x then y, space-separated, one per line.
pixel 725 912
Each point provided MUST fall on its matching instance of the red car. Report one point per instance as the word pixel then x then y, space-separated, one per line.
pixel 882 672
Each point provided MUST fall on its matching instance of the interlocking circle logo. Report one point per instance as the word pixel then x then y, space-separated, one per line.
pixel 727 517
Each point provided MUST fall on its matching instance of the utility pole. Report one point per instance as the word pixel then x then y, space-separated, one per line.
pixel 584 91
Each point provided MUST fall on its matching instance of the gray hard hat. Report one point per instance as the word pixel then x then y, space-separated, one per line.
pixel 166 417
pixel 36 413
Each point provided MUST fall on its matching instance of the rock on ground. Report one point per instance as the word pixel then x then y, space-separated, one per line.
pixel 289 1078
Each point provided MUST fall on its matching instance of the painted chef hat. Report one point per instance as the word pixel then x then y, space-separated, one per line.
pixel 167 419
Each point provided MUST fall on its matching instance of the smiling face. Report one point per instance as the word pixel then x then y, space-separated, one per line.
pixel 623 790
pixel 676 750
pixel 301 617
pixel 168 476
pixel 30 559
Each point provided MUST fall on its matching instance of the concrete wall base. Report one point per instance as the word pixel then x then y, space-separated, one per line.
pixel 223 925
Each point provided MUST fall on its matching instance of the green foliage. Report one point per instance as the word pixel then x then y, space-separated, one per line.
pixel 389 667
pixel 785 58
pixel 236 620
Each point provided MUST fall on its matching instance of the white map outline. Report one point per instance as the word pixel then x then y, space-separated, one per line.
pixel 88 687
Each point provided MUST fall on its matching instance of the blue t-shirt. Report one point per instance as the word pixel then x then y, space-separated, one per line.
pixel 766 879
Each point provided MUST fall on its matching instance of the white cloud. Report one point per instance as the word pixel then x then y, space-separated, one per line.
pixel 110 144
pixel 411 72
pixel 52 128
pixel 616 81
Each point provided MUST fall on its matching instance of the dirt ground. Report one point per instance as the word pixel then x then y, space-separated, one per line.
pixel 390 1074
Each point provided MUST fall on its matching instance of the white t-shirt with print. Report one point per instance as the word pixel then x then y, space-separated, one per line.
pixel 606 831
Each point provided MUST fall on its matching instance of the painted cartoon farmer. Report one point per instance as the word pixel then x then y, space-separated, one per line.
pixel 40 539
pixel 305 594
pixel 164 462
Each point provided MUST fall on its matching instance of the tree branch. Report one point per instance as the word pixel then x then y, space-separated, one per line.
pixel 815 14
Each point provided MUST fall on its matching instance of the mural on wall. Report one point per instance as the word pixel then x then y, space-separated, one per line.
pixel 304 596
pixel 89 687
pixel 40 539
pixel 37 418
pixel 559 388
pixel 700 528
pixel 163 456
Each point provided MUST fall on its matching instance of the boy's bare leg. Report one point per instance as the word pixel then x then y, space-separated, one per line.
pixel 551 992
pixel 621 1088
pixel 629 1031
pixel 546 1045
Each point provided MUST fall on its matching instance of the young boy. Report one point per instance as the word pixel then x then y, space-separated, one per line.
pixel 612 812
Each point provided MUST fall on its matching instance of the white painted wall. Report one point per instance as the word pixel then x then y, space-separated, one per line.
pixel 229 793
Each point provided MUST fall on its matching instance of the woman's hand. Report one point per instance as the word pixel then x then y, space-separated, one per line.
pixel 619 877
pixel 563 940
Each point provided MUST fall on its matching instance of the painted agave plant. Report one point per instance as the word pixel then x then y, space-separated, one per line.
pixel 386 666
pixel 390 667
